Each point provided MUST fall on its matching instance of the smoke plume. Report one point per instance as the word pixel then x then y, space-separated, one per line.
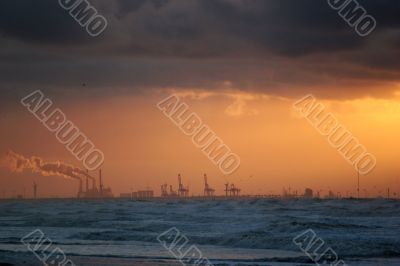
pixel 17 163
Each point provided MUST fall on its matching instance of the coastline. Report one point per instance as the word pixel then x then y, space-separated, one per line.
pixel 9 258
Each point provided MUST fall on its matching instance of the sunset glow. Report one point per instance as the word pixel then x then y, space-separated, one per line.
pixel 277 147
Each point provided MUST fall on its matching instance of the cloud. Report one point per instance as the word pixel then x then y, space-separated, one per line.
pixel 278 47
pixel 239 105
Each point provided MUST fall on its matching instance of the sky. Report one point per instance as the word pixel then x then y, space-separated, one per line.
pixel 238 64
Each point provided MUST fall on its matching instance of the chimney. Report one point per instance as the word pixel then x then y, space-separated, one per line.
pixel 80 188
pixel 100 182
pixel 87 181
pixel 34 190
pixel 94 184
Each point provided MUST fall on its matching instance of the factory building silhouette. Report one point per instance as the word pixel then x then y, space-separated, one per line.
pixel 94 192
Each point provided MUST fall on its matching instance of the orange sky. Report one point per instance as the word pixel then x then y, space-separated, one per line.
pixel 143 148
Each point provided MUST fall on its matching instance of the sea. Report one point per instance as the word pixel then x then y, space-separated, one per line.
pixel 246 231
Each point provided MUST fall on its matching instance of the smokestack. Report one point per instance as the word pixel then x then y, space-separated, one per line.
pixel 100 182
pixel 34 190
pixel 94 184
pixel 80 188
pixel 86 173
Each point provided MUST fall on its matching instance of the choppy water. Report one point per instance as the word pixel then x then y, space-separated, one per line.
pixel 222 229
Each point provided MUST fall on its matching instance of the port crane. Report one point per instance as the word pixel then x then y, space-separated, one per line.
pixel 182 191
pixel 208 191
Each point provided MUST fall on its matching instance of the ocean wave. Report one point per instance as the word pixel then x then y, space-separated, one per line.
pixel 363 228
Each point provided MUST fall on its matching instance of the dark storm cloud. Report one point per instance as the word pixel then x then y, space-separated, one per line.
pixel 276 46
pixel 284 26
pixel 38 21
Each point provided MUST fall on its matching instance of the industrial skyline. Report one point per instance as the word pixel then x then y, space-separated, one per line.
pixel 93 191
pixel 88 187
